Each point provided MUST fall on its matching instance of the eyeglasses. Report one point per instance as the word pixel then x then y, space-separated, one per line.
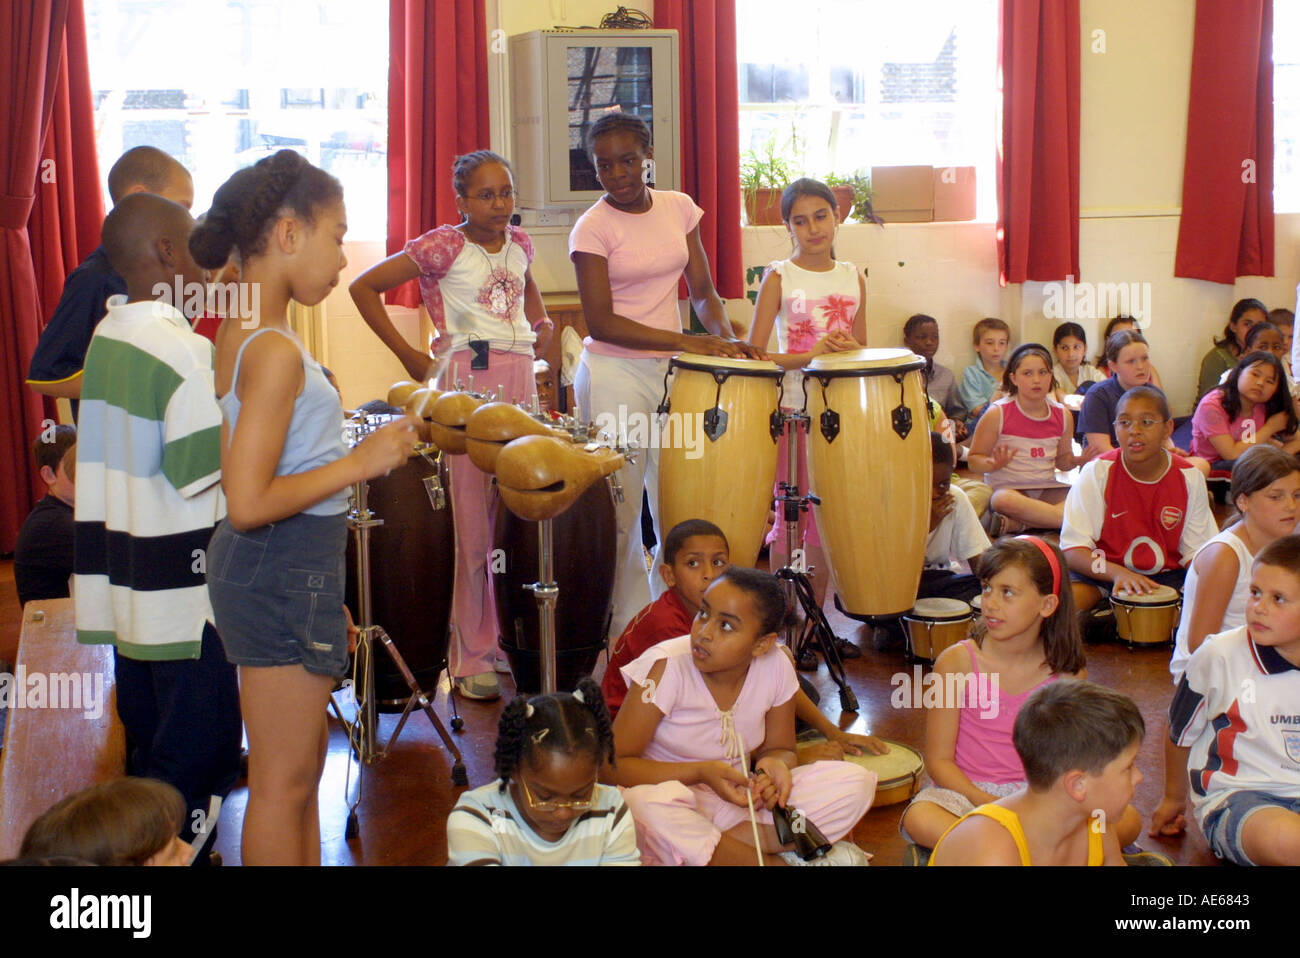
pixel 580 806
pixel 487 196
pixel 1146 425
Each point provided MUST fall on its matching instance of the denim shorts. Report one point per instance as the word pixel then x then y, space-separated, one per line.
pixel 1224 825
pixel 277 593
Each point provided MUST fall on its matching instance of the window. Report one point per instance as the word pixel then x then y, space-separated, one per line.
pixel 844 85
pixel 219 84
pixel 1286 108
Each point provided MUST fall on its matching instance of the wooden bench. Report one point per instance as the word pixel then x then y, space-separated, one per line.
pixel 53 752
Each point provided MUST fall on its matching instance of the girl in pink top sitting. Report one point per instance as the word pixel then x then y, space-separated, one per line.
pixel 1027 637
pixel 701 712
pixel 1251 405
pixel 1022 440
pixel 629 251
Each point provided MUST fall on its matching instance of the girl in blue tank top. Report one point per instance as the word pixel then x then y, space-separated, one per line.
pixel 275 564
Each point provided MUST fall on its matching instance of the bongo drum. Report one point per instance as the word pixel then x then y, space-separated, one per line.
pixel 412 558
pixel 585 538
pixel 717 458
pixel 935 624
pixel 899 771
pixel 869 462
pixel 1147 619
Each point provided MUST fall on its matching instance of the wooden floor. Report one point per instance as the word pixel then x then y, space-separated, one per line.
pixel 406 797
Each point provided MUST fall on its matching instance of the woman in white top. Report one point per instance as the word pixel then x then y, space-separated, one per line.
pixel 1266 492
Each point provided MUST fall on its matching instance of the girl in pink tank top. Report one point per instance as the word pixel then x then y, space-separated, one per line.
pixel 1022 440
pixel 1026 638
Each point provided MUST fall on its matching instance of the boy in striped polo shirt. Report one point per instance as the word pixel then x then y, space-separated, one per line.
pixel 148 497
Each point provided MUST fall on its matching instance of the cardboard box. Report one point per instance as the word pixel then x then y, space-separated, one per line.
pixel 954 193
pixel 903 194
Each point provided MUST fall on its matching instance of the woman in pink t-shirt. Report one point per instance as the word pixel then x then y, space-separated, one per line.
pixel 629 251
pixel 1251 405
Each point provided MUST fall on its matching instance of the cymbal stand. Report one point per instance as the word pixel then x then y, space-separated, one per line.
pixel 816 632
pixel 362 730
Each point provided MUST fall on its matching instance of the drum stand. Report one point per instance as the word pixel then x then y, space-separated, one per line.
pixel 798 584
pixel 362 729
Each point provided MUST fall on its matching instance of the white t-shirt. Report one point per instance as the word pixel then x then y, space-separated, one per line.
pixel 958 536
pixel 1238 710
pixel 1233 617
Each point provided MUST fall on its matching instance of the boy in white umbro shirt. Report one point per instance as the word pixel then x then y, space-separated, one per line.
pixel 1236 718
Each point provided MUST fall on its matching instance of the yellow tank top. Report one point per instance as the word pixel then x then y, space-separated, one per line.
pixel 1011 822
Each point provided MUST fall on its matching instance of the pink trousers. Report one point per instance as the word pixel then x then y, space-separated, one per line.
pixel 473 503
pixel 681 825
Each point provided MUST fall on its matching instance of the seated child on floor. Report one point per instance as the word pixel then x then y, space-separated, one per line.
pixel 1078 743
pixel 695 553
pixel 704 710
pixel 1252 405
pixel 1137 514
pixel 546 806
pixel 921 336
pixel 1105 363
pixel 1027 637
pixel 1072 369
pixel 43 555
pixel 128 821
pixel 982 378
pixel 1232 721
pixel 956 537
pixel 1022 440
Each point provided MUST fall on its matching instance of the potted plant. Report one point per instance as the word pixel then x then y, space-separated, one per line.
pixel 764 173
pixel 853 194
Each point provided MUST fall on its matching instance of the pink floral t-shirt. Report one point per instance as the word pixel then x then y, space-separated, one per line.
pixel 471 293
pixel 812 305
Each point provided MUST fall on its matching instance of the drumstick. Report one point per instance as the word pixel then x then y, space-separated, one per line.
pixel 749 795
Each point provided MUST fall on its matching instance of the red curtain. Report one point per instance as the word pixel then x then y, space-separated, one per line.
pixel 437 108
pixel 1226 229
pixel 1038 166
pixel 29 70
pixel 710 131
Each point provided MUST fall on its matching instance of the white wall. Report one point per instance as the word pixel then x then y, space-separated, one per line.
pixel 1133 133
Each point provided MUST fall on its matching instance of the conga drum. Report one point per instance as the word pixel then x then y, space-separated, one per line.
pixel 718 450
pixel 869 462
pixel 1147 619
pixel 412 565
pixel 585 539
pixel 935 624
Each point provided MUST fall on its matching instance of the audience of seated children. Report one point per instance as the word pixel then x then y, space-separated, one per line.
pixel 1252 405
pixel 981 380
pixel 61 351
pixel 921 336
pixel 43 554
pixel 1225 352
pixel 1245 783
pixel 1137 514
pixel 128 821
pixel 695 553
pixel 148 471
pixel 1266 493
pixel 1022 440
pixel 1079 744
pixel 1071 368
pixel 546 806
pixel 1103 364
pixel 1284 320
pixel 705 709
pixel 1027 637
pixel 956 538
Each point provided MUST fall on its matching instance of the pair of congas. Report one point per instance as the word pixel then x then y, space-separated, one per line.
pixel 868 460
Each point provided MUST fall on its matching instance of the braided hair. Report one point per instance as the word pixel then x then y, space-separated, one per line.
pixel 619 123
pixel 252 199
pixel 463 167
pixel 563 722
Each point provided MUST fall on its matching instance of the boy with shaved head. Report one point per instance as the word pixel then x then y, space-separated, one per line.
pixel 147 500
pixel 56 364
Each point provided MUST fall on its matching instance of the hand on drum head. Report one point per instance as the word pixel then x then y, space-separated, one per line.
pixel 1134 583
pixel 717 346
pixel 854 744
pixel 385 449
pixel 728 783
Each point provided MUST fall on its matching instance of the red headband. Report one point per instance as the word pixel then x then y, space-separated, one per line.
pixel 1052 564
